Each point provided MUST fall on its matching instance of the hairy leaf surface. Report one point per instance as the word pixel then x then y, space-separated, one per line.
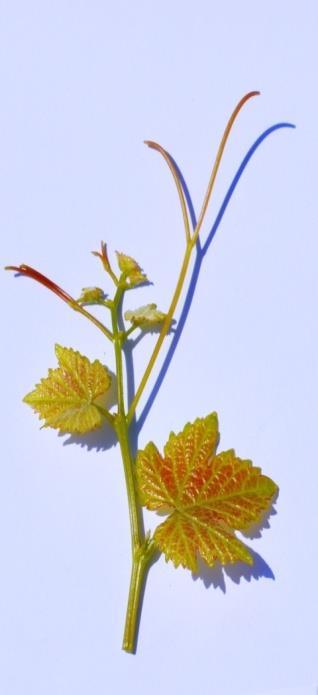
pixel 66 398
pixel 208 495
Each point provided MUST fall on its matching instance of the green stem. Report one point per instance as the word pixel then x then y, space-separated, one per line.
pixel 121 427
pixel 118 339
pixel 136 529
pixel 130 331
pixel 106 414
pixel 142 548
pixel 138 574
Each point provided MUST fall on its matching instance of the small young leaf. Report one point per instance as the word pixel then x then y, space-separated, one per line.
pixel 91 295
pixel 146 316
pixel 131 271
pixel 66 398
pixel 209 496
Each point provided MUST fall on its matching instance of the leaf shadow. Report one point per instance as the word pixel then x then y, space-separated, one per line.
pixel 215 576
pixel 150 330
pixel 100 440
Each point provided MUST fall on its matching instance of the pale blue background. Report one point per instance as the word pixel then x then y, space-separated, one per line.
pixel 82 84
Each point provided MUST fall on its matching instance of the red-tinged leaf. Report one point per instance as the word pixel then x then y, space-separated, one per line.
pixel 209 495
pixel 180 538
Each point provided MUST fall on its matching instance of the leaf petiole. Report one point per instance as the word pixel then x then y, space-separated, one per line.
pixel 74 305
pixel 106 414
pixel 130 331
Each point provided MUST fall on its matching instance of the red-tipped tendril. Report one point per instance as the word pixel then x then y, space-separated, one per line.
pixel 30 272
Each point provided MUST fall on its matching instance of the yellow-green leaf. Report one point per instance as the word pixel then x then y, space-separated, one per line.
pixel 131 271
pixel 91 295
pixel 68 399
pixel 208 495
pixel 146 316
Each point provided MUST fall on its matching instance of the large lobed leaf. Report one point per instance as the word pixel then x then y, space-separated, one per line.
pixel 208 495
pixel 66 398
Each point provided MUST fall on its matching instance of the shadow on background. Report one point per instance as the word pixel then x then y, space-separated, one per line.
pixel 215 576
pixel 100 440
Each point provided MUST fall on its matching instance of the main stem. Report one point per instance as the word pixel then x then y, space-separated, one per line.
pixel 142 548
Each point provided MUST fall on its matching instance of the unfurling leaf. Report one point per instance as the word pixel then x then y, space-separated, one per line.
pixel 146 316
pixel 102 254
pixel 208 495
pixel 66 398
pixel 91 295
pixel 131 271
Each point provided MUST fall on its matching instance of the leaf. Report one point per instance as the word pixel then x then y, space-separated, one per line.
pixel 91 295
pixel 208 495
pixel 66 398
pixel 146 316
pixel 131 271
